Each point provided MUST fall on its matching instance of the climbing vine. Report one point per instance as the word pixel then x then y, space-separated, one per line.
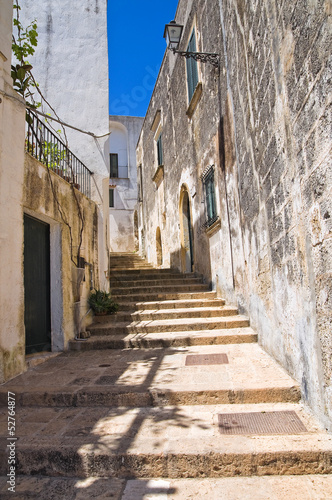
pixel 24 42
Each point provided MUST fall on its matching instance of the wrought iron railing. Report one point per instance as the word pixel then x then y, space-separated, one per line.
pixel 46 147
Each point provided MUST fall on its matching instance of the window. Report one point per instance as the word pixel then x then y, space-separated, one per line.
pixel 114 168
pixel 160 150
pixel 111 198
pixel 192 70
pixel 210 197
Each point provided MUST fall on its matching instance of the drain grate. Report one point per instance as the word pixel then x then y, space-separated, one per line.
pixel 104 366
pixel 106 380
pixel 206 359
pixel 273 422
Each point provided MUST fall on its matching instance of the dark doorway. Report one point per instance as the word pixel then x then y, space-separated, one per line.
pixel 187 239
pixel 37 314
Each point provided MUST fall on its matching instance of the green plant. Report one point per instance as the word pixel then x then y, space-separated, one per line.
pixel 101 302
pixel 52 155
pixel 23 45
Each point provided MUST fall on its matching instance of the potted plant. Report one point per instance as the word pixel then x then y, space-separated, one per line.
pixel 102 303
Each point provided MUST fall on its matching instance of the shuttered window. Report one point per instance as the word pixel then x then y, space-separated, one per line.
pixel 160 151
pixel 192 70
pixel 114 168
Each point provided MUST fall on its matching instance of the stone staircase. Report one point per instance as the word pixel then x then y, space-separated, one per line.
pixel 173 387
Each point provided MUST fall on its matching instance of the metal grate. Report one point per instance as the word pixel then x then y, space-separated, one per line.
pixel 273 422
pixel 206 359
pixel 106 380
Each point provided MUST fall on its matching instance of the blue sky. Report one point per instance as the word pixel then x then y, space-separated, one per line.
pixel 136 49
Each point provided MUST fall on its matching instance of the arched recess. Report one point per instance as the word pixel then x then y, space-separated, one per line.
pixel 187 243
pixel 159 249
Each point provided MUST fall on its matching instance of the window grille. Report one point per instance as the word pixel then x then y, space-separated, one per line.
pixel 210 196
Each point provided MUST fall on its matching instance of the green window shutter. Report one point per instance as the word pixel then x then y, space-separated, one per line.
pixel 160 150
pixel 114 171
pixel 111 198
pixel 192 69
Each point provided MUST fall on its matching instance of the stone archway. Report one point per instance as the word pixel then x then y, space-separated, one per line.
pixel 187 255
pixel 159 249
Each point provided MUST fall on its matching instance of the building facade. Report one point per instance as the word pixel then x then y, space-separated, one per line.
pixel 122 143
pixel 70 65
pixel 234 173
pixel 52 239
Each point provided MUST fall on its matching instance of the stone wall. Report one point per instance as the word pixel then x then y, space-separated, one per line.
pixel 264 122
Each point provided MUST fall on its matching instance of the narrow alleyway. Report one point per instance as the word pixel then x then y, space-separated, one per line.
pixel 171 398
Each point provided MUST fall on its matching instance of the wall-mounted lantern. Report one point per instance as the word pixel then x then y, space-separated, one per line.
pixel 173 33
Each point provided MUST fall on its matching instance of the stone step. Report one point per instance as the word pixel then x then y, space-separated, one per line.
pixel 161 282
pixel 131 267
pixel 157 275
pixel 169 325
pixel 153 297
pixel 150 289
pixel 296 487
pixel 158 377
pixel 170 304
pixel 144 272
pixel 172 441
pixel 169 314
pixel 166 339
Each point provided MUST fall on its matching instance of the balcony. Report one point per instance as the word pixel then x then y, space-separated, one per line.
pixel 47 148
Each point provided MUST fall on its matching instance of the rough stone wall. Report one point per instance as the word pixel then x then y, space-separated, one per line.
pixel 279 76
pixel 40 202
pixel 271 147
pixel 188 147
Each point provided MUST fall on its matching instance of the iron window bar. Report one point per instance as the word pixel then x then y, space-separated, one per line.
pixel 46 147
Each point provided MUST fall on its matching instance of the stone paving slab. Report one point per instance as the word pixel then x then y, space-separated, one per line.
pixel 176 441
pixel 241 488
pixel 140 377
pixel 167 339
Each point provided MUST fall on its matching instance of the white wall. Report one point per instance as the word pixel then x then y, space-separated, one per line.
pixel 125 131
pixel 12 134
pixel 71 66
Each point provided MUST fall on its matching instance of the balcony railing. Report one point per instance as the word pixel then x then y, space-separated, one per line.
pixel 46 147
